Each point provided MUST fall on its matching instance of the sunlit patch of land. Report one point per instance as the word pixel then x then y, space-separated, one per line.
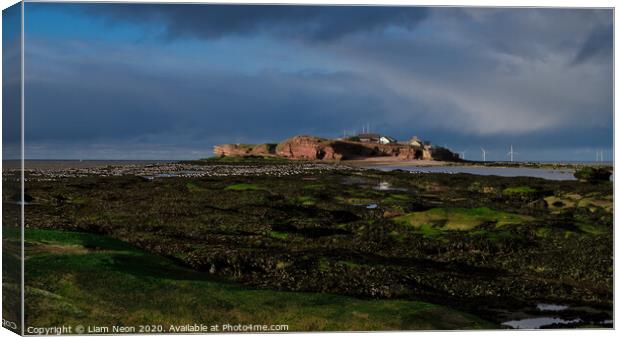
pixel 66 285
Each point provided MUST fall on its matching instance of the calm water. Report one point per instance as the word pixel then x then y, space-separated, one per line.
pixel 64 164
pixel 538 322
pixel 549 315
pixel 551 174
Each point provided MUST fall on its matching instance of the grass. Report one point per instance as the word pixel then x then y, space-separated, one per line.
pixel 355 200
pixel 396 236
pixel 458 219
pixel 115 284
pixel 243 187
pixel 429 231
pixel 591 229
pixel 193 187
pixel 323 264
pixel 519 190
pixel 542 232
pixel 596 203
pixel 572 200
pixel 305 200
pixel 79 200
pixel 349 264
pixel 395 198
pixel 278 235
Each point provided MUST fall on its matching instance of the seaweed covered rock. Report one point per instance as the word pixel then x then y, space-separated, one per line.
pixel 483 244
pixel 592 174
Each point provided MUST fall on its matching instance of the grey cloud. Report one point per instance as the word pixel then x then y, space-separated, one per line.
pixel 315 23
pixel 598 44
pixel 79 100
pixel 524 32
pixel 484 77
pixel 475 86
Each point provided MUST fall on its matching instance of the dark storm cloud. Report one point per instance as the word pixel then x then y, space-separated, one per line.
pixel 534 78
pixel 598 44
pixel 527 32
pixel 207 108
pixel 317 23
pixel 497 72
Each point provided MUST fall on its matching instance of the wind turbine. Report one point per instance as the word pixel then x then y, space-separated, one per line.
pixel 366 128
pixel 462 154
pixel 511 154
pixel 484 154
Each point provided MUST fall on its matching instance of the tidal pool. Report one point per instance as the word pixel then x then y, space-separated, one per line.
pixel 386 186
pixel 551 307
pixel 538 322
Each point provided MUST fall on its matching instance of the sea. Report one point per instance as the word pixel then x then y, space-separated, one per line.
pixel 70 163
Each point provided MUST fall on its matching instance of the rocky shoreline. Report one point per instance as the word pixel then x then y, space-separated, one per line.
pixel 490 246
pixel 180 169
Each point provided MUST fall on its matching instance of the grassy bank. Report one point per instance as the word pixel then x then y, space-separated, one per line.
pixel 79 278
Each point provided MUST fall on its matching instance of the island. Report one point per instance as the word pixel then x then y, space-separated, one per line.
pixel 361 147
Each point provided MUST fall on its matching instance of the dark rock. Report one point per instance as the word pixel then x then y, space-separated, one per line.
pixel 592 174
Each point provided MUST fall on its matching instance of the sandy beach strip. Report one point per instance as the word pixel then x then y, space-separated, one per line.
pixel 393 161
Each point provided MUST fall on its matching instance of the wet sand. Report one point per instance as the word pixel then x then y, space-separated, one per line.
pixel 394 161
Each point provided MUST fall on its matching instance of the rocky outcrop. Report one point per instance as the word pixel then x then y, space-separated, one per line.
pixel 592 174
pixel 316 148
pixel 307 147
pixel 232 150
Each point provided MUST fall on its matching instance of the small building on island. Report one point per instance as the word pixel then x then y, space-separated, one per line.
pixel 415 141
pixel 387 140
pixel 369 137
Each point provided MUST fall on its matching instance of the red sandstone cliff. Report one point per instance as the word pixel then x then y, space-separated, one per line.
pixel 315 148
pixel 308 147
pixel 231 150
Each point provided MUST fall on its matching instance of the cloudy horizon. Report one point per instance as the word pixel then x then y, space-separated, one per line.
pixel 169 81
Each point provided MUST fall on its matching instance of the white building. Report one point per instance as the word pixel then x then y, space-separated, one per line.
pixel 387 140
pixel 415 141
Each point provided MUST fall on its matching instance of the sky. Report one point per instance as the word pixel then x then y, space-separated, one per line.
pixel 169 81
pixel 11 82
